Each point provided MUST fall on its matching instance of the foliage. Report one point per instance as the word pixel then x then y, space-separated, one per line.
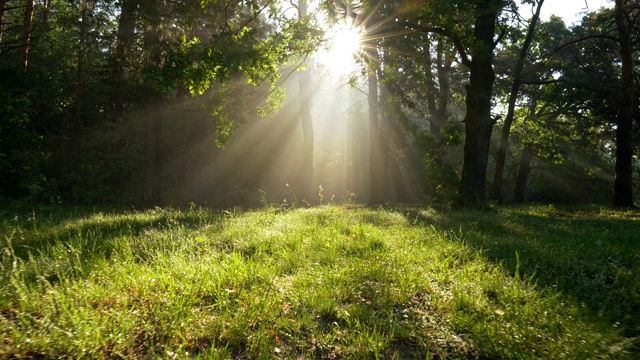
pixel 55 139
pixel 226 62
pixel 21 152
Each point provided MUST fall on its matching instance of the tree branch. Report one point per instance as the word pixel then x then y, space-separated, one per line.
pixel 255 16
pixel 500 37
pixel 348 11
pixel 539 82
pixel 15 7
pixel 464 59
pixel 603 36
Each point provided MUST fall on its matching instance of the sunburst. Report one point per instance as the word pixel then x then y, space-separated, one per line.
pixel 344 44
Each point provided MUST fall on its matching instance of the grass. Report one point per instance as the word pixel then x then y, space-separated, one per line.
pixel 325 282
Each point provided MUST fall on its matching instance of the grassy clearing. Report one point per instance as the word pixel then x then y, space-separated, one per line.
pixel 327 282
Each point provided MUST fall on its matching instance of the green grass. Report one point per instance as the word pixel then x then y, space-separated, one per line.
pixel 326 282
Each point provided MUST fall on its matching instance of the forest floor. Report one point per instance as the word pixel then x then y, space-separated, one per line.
pixel 325 282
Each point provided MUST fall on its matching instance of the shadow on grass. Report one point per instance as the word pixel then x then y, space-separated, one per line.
pixel 590 258
pixel 54 242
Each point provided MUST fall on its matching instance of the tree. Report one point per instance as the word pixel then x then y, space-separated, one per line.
pixel 124 38
pixel 3 4
pixel 152 188
pixel 565 134
pixel 603 39
pixel 237 40
pixel 475 45
pixel 438 93
pixel 478 120
pixel 84 9
pixel 26 35
pixel 422 80
pixel 304 83
pixel 511 104
pixel 384 128
pixel 623 186
pixel 375 194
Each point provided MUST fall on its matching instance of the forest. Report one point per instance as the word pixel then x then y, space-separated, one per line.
pixel 327 179
pixel 156 103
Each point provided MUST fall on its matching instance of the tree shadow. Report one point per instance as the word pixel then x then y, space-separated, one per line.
pixel 50 245
pixel 592 260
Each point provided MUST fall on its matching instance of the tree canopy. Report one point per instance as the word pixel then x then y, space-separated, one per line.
pixel 133 101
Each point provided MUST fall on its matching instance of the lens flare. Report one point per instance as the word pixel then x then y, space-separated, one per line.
pixel 343 46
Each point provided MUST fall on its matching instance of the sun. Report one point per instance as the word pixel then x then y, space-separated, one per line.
pixel 344 43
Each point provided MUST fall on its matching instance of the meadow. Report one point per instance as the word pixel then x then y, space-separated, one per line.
pixel 331 282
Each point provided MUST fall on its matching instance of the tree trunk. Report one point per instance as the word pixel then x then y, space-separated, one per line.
pixel 523 174
pixel 513 96
pixel 478 121
pixel 434 123
pixel 623 186
pixel 384 135
pixel 26 35
pixel 438 93
pixel 126 28
pixel 443 66
pixel 356 154
pixel 437 103
pixel 192 156
pixel 399 185
pixel 2 6
pixel 374 146
pixel 304 83
pixel 181 93
pixel 152 188
pixel 46 4
pixel 81 63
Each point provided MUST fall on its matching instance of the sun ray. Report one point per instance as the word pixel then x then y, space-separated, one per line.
pixel 353 41
pixel 343 45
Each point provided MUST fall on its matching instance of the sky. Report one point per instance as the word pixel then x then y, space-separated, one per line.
pixel 341 62
pixel 569 9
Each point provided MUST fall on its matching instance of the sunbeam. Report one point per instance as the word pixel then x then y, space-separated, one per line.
pixel 343 45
